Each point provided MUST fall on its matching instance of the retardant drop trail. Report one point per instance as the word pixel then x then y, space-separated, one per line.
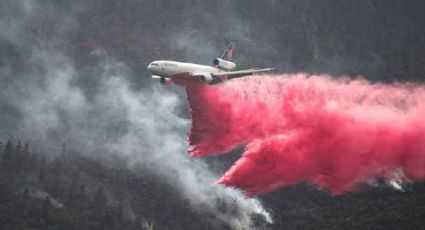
pixel 334 133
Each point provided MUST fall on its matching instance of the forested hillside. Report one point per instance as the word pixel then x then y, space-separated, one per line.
pixel 376 39
pixel 107 144
pixel 71 191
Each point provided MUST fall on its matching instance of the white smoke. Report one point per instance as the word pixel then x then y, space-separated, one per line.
pixel 157 137
pixel 141 126
pixel 39 194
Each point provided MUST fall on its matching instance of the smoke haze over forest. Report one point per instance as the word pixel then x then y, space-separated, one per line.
pixel 73 75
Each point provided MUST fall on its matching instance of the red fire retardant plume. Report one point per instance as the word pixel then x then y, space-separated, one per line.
pixel 334 133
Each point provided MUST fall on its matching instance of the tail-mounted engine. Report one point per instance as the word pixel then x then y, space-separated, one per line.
pixel 223 64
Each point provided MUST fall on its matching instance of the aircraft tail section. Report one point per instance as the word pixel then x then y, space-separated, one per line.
pixel 228 53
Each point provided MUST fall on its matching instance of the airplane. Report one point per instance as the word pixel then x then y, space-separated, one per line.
pixel 170 71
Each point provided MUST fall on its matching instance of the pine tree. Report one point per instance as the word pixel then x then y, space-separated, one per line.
pixel 64 151
pixel 98 205
pixel 82 190
pixel 118 211
pixel 19 148
pixel 26 152
pixel 18 153
pixel 54 190
pixel 32 160
pixel 42 172
pixel 137 223
pixel 72 193
pixel 25 195
pixel 45 208
pixel 25 200
pixel 82 198
pixel 8 151
pixel 26 148
pixel 99 200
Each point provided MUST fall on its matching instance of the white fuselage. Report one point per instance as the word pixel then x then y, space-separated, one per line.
pixel 172 69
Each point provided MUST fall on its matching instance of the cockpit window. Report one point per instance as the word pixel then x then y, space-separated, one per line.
pixel 154 64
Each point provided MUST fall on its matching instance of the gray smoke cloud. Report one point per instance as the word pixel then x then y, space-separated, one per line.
pixel 43 101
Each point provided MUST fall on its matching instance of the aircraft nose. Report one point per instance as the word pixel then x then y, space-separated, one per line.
pixel 153 67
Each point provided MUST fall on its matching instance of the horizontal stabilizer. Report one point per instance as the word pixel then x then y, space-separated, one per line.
pixel 241 73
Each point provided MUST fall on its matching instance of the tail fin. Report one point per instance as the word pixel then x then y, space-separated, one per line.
pixel 228 53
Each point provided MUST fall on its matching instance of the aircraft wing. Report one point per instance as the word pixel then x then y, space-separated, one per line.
pixel 241 73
